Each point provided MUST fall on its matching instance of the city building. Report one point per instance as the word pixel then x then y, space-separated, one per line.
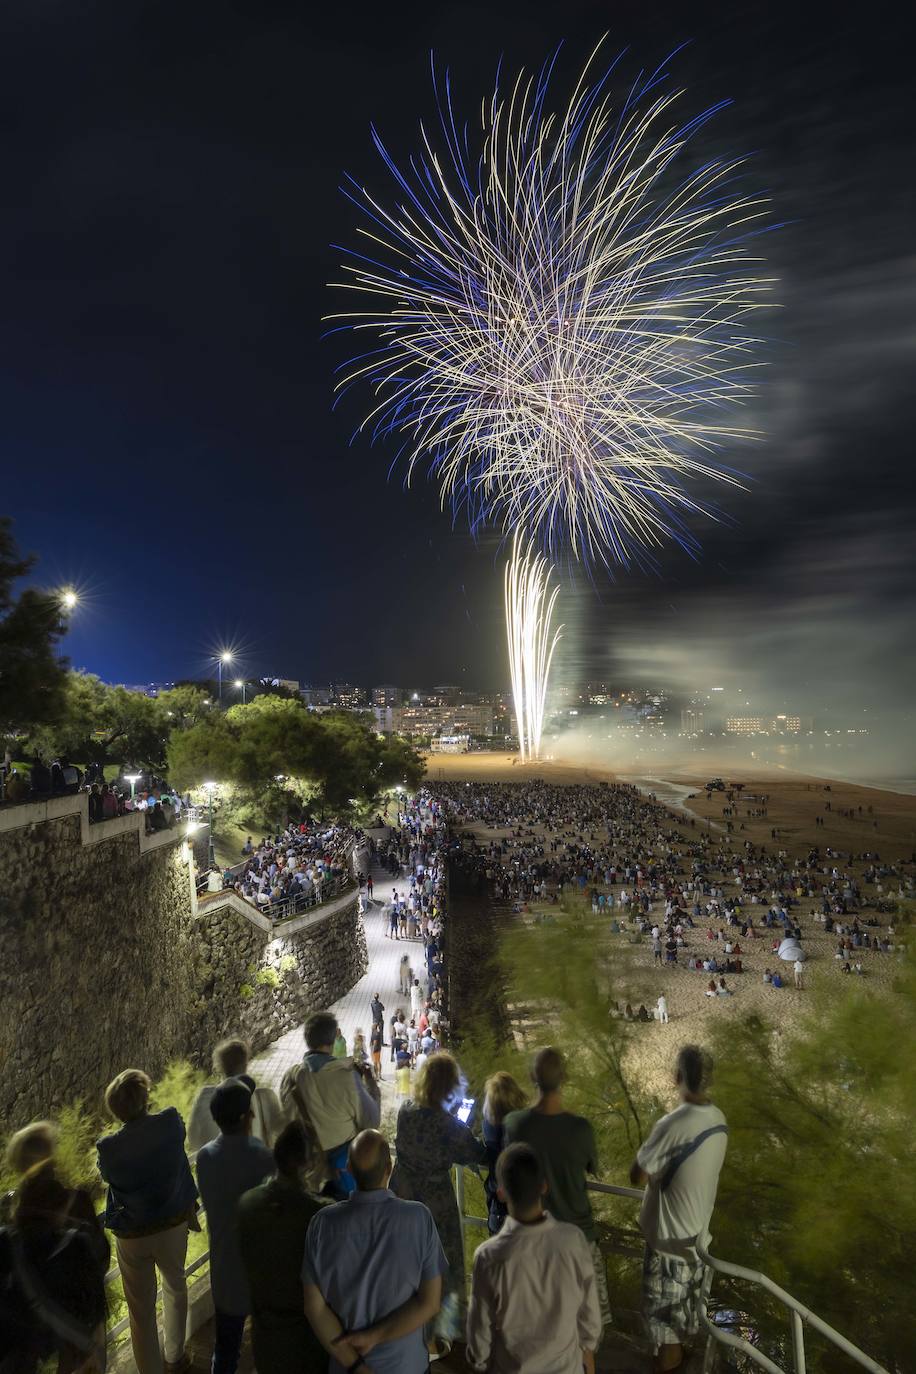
pixel 387 695
pixel 315 697
pixel 422 721
pixel 289 683
pixel 692 720
pixel 348 696
pixel 763 725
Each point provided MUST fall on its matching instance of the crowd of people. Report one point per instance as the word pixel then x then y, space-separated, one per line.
pixel 344 1245
pixel 702 900
pixel 343 1253
pixel 300 865
pixel 161 805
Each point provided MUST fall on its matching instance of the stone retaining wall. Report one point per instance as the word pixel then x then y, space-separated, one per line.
pixel 106 961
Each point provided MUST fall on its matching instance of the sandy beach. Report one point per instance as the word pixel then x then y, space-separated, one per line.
pixel 886 824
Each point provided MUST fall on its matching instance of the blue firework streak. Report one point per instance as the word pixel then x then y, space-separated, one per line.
pixel 561 310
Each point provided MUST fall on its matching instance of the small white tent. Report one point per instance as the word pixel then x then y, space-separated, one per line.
pixel 790 950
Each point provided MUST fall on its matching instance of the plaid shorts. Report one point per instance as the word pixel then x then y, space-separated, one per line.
pixel 671 1297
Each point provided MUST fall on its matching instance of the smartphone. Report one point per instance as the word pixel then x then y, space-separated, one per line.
pixel 464 1111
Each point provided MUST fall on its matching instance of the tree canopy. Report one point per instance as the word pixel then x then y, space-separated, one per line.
pixel 31 675
pixel 336 754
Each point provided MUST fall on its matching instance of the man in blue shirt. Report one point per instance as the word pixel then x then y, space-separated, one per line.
pixel 227 1167
pixel 372 1273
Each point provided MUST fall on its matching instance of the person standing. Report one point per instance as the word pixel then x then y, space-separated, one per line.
pixel 273 1221
pixel 662 1009
pixel 338 1099
pixel 377 1008
pixel 230 1060
pixel 430 1140
pixel 565 1145
pixel 501 1095
pixel 372 1272
pixel 534 1302
pixel 226 1168
pixel 151 1206
pixel 799 971
pixel 679 1164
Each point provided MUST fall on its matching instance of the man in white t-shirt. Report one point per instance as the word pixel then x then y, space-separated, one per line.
pixel 680 1165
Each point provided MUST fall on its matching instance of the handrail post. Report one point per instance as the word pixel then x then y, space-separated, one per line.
pixel 798 1342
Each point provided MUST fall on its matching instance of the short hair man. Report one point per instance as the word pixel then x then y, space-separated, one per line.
pixel 372 1274
pixel 565 1146
pixel 230 1060
pixel 534 1301
pixel 226 1168
pixel 680 1165
pixel 273 1220
pixel 339 1099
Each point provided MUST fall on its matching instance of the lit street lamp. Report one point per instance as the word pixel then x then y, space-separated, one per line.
pixel 211 853
pixel 243 688
pixel 224 657
pixel 133 779
pixel 69 599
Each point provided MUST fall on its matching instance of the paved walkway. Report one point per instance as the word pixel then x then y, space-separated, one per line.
pixel 352 1011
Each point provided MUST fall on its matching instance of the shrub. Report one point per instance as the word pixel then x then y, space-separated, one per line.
pixel 246 992
pixel 268 977
pixel 288 964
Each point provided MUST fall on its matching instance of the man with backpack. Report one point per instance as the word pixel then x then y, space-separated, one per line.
pixel 679 1164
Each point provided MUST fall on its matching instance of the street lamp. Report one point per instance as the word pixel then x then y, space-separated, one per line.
pixel 243 687
pixel 69 599
pixel 133 779
pixel 211 853
pixel 224 657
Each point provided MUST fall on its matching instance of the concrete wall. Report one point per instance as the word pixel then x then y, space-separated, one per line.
pixel 107 960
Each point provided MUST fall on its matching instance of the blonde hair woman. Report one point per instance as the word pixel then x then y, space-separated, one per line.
pixel 430 1140
pixel 501 1095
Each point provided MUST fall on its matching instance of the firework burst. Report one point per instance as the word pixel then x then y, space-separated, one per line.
pixel 560 306
pixel 530 602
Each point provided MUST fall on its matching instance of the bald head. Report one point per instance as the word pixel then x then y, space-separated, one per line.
pixel 370 1161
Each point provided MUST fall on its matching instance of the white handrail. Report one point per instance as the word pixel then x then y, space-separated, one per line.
pixel 801 1316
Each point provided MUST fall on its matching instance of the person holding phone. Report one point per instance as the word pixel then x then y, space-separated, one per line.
pixel 430 1140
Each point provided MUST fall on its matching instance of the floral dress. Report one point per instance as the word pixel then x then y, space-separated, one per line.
pixel 429 1141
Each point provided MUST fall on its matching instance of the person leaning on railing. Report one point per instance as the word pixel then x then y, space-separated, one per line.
pixel 151 1206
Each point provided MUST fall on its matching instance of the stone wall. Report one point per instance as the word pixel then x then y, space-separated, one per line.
pixel 106 960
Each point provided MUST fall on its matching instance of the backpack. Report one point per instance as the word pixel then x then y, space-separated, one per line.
pixel 293 1104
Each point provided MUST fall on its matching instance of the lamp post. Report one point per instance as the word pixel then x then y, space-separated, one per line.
pixel 211 853
pixel 224 657
pixel 133 779
pixel 243 688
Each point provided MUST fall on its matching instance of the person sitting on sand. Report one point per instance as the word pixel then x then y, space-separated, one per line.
pixel 846 968
pixel 711 988
pixel 722 990
pixel 777 979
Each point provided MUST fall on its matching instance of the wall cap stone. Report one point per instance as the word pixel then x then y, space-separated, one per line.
pixel 19 816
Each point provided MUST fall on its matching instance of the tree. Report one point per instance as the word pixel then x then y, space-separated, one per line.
pixel 334 758
pixel 101 724
pixel 31 676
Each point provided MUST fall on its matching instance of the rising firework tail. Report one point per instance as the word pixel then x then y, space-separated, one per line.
pixel 530 603
pixel 560 315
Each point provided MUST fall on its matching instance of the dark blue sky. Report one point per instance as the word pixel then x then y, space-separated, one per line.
pixel 167 200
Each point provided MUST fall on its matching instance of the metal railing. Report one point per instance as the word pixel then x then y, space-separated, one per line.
pixel 800 1316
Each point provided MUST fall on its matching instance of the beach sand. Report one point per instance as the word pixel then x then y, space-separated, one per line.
pixel 794 802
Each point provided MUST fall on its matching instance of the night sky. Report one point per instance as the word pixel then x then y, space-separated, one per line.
pixel 169 190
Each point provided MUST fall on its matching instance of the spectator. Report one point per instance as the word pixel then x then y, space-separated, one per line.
pixel 565 1146
pixel 430 1140
pixel 273 1219
pixel 17 788
pixel 151 1205
pixel 34 1148
pixel 661 1009
pixel 226 1168
pixel 375 1050
pixel 377 1007
pixel 339 1048
pixel 501 1095
pixel 534 1304
pixel 373 1270
pixel 52 1284
pixel 798 968
pixel 230 1060
pixel 338 1099
pixel 679 1164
